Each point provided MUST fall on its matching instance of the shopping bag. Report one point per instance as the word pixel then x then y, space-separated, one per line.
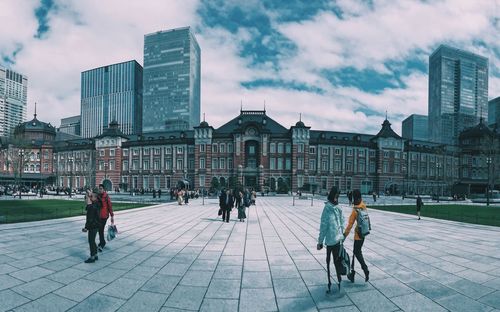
pixel 112 231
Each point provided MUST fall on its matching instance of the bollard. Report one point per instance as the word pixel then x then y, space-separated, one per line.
pixel 293 200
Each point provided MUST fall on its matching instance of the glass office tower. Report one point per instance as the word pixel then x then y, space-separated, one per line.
pixel 494 112
pixel 13 100
pixel 112 92
pixel 458 92
pixel 415 127
pixel 171 80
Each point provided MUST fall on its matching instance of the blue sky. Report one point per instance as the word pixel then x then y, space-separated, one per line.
pixel 341 64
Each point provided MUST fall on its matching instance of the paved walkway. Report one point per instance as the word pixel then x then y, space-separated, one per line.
pixel 175 258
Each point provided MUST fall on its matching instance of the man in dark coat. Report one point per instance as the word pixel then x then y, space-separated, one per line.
pixel 419 205
pixel 226 203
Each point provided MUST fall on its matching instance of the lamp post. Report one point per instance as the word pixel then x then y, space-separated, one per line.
pixel 70 161
pixel 488 162
pixel 21 169
pixel 438 165
pixel 105 175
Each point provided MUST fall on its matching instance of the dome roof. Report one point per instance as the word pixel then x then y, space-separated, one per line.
pixel 478 130
pixel 204 124
pixel 35 125
pixel 300 124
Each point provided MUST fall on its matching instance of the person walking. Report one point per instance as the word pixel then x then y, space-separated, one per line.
pixel 358 240
pixel 374 196
pixel 92 223
pixel 228 206
pixel 419 205
pixel 240 204
pixel 331 232
pixel 106 211
pixel 186 197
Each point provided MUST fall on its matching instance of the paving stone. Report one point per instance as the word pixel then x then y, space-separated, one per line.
pixel 470 289
pixel 256 280
pixel 7 281
pixel 223 289
pixel 416 302
pixel 228 272
pixel 164 284
pixel 325 300
pixel 186 297
pixel 144 301
pixel 67 276
pixel 37 288
pixel 297 304
pixel 219 305
pixel 31 273
pixel 391 287
pixel 79 289
pixel 290 288
pixel 461 303
pixel 256 300
pixel 98 302
pixel 10 300
pixel 371 300
pixel 197 278
pixel 122 288
pixel 47 303
pixel 492 299
pixel 432 289
pixel 494 283
pixel 6 269
pixel 204 265
pixel 256 266
pixel 105 275
pixel 175 269
pixel 284 271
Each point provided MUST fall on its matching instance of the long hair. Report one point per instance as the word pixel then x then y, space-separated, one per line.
pixel 333 196
pixel 356 196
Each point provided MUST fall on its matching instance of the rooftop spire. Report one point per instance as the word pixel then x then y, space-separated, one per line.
pixel 300 116
pixel 203 116
pixel 264 106
pixel 241 106
pixel 35 111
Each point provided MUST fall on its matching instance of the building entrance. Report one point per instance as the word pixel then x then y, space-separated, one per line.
pixel 250 181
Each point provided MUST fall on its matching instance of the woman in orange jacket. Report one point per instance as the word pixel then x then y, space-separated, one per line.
pixel 358 241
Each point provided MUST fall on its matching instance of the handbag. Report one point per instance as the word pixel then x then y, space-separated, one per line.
pixel 345 261
pixel 220 212
pixel 112 231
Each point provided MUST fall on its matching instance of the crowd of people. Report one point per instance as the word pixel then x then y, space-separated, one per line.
pixel 239 199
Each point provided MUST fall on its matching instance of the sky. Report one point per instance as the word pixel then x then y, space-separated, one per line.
pixel 340 64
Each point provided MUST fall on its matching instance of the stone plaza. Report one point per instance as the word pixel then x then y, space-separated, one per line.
pixel 183 258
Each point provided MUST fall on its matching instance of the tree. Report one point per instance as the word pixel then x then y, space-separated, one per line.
pixel 214 185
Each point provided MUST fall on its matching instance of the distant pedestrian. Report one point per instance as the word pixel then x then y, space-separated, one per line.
pixel 92 223
pixel 154 193
pixel 180 199
pixel 349 197
pixel 331 233
pixel 240 204
pixel 106 211
pixel 159 193
pixel 358 239
pixel 226 203
pixel 186 197
pixel 419 205
pixel 374 197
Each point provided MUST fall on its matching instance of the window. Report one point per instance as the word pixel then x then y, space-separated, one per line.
pixel 337 151
pixel 386 167
pixel 202 148
pixel 179 164
pixel 396 168
pixel 214 148
pixel 222 163
pixel 168 164
pixel 168 150
pixel 397 155
pixel 361 167
pixel 348 166
pixel 300 147
pixel 312 149
pixel 45 167
pixel 145 182
pixel 135 152
pixel 312 164
pixel 372 167
pixel 202 180
pixel 361 153
pixel 125 165
pixel 145 165
pixel 112 152
pixel 215 163
pixel 229 147
pixel 229 163
pixel 156 182
pixel 272 163
pixel 288 164
pixel 324 150
pixel 386 154
pixel 101 153
pixel 324 165
pixel 202 163
pixel 337 165
pixel 222 148
pixel 422 157
pixel 191 164
pixel 180 150
pixel 280 163
pixel 167 182
pixel 157 151
pixel 280 148
pixel 135 164
pixel 156 164
pixel 300 164
pixel 272 148
pixel 349 152
pixel 125 152
pixel 372 153
pixel 145 151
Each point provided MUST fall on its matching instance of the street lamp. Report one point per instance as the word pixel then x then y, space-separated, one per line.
pixel 21 169
pixel 105 175
pixel 488 161
pixel 438 165
pixel 70 161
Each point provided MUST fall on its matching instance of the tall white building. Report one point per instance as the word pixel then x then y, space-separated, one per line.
pixel 13 100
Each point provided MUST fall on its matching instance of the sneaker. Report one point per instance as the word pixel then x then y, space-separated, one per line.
pixel 99 249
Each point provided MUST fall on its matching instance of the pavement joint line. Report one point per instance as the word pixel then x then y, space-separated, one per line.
pixel 244 253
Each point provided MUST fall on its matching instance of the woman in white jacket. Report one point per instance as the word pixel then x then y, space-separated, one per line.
pixel 331 232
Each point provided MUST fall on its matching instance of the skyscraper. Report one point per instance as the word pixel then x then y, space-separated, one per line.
pixel 71 125
pixel 494 111
pixel 112 92
pixel 13 100
pixel 458 92
pixel 171 80
pixel 415 127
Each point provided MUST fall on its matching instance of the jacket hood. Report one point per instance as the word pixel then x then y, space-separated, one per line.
pixel 330 206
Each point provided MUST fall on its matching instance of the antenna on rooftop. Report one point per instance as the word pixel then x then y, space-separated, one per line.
pixel 35 110
pixel 300 116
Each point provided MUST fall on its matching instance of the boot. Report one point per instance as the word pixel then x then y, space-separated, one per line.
pixel 367 275
pixel 350 276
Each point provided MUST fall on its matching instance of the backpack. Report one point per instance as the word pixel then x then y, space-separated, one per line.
pixel 345 261
pixel 363 221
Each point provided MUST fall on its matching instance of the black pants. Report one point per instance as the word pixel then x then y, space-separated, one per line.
pixel 225 214
pixel 102 241
pixel 93 247
pixel 359 254
pixel 334 250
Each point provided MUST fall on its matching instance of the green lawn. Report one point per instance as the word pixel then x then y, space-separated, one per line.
pixel 463 213
pixel 12 211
